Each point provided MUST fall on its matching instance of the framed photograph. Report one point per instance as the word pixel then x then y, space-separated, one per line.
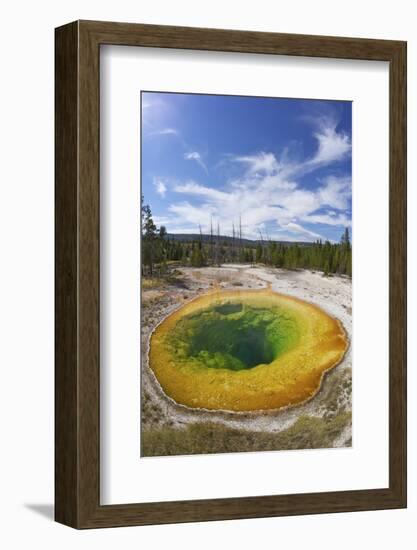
pixel 230 274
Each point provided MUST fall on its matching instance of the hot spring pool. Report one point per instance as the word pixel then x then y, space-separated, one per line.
pixel 245 350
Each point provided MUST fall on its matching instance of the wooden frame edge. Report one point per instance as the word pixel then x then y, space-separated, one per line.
pixel 77 274
pixel 66 275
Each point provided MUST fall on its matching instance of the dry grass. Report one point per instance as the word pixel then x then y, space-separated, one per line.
pixel 308 432
pixel 336 396
pixel 152 283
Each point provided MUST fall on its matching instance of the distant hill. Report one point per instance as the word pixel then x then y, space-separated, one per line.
pixel 189 237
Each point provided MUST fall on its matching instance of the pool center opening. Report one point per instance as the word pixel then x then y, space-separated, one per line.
pixel 234 336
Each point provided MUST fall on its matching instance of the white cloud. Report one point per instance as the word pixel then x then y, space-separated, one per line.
pixel 168 132
pixel 165 132
pixel 267 194
pixel 271 182
pixel 186 213
pixel 192 188
pixel 160 186
pixel 161 220
pixel 267 200
pixel 333 146
pixel 150 100
pixel 328 219
pixel 296 228
pixel 336 192
pixel 155 111
pixel 195 155
pixel 265 163
pixel 299 202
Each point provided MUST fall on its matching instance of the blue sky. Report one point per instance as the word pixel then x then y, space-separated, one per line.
pixel 281 165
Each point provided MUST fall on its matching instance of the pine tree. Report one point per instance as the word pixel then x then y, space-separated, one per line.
pixel 196 257
pixel 149 236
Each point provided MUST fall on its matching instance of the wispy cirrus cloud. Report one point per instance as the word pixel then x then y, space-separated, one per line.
pixel 259 163
pixel 160 187
pixel 196 156
pixel 165 132
pixel 328 219
pixel 269 194
pixel 192 188
pixel 285 206
pixel 333 147
pixel 189 216
pixel 298 229
pixel 155 110
pixel 192 155
pixel 336 192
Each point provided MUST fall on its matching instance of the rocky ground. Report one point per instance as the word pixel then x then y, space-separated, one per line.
pixel 327 414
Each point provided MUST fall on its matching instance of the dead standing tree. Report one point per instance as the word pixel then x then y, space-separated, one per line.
pixel 233 242
pixel 211 241
pixel 218 244
pixel 241 258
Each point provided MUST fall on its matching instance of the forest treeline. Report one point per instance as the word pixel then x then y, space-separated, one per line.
pixel 159 251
